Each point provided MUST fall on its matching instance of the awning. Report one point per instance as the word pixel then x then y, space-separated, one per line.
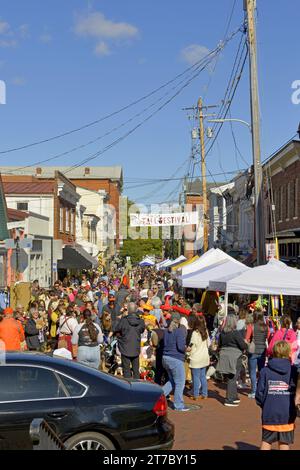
pixel 76 257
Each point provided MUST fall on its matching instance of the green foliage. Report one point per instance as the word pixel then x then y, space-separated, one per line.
pixel 138 249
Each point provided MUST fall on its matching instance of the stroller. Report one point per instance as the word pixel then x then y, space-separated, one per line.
pixel 111 358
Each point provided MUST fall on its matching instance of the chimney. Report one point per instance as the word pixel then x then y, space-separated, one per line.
pixel 38 171
pixel 87 170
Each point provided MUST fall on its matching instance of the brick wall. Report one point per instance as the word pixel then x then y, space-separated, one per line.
pixel 286 191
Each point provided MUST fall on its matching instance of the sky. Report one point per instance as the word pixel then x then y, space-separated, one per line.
pixel 68 63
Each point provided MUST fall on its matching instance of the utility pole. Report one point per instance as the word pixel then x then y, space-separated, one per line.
pixel 249 7
pixel 203 174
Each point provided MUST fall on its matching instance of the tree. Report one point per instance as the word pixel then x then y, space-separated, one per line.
pixel 138 249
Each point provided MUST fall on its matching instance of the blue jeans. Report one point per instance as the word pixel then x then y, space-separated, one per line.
pixel 90 356
pixel 176 373
pixel 199 379
pixel 255 360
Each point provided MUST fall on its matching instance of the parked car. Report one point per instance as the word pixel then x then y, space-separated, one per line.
pixel 86 408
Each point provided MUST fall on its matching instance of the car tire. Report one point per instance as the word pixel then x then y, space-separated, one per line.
pixel 89 441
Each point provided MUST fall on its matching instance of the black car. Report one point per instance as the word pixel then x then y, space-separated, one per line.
pixel 87 409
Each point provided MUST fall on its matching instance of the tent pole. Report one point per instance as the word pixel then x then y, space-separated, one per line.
pixel 226 303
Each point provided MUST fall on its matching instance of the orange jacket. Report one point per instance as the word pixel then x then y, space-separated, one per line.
pixel 12 334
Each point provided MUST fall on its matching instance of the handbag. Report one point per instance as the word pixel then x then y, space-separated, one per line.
pixel 251 346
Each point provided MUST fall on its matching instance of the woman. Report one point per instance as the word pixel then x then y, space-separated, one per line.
pixel 173 361
pixel 257 334
pixel 199 356
pixel 33 331
pixel 85 340
pixel 297 355
pixel 231 347
pixel 67 325
pixel 285 334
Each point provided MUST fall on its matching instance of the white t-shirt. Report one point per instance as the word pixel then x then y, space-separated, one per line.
pixel 67 325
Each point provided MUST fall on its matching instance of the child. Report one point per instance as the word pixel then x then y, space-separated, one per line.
pixel 275 394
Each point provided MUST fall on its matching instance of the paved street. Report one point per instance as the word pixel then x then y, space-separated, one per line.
pixel 216 427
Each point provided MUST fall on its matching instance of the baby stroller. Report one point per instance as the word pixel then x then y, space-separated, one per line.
pixel 111 358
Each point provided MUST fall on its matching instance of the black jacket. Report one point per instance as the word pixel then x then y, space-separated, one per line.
pixel 232 339
pixel 129 329
pixel 32 335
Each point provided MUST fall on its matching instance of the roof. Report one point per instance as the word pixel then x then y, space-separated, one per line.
pixel 37 187
pixel 86 172
pixel 4 233
pixel 195 187
pixel 15 215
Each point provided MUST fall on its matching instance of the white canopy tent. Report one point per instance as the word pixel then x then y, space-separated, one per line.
pixel 211 257
pixel 274 278
pixel 201 279
pixel 171 263
pixel 147 262
pixel 162 263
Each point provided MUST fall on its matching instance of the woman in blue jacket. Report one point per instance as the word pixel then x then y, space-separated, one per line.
pixel 174 348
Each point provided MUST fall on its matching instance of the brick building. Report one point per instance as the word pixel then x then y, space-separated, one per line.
pixel 282 190
pixel 96 178
pixel 193 201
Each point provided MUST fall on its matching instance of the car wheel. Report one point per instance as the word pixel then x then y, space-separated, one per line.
pixel 89 441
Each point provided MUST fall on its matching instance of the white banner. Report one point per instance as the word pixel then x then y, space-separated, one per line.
pixel 270 251
pixel 163 220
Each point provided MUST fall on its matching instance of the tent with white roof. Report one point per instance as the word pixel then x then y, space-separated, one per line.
pixel 273 278
pixel 212 256
pixel 201 278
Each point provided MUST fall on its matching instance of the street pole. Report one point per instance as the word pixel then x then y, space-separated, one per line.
pixel 249 6
pixel 203 173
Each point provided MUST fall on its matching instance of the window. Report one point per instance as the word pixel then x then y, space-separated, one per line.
pixel 287 201
pixel 74 388
pixel 29 383
pixel 37 245
pixel 296 198
pixel 22 206
pixel 67 220
pixel 280 203
pixel 72 222
pixel 61 219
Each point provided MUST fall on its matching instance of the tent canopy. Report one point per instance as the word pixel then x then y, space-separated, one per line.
pixel 175 262
pixel 185 263
pixel 274 278
pixel 201 279
pixel 212 256
pixel 162 263
pixel 147 262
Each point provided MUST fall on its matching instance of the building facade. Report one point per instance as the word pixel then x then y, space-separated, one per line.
pixel 282 201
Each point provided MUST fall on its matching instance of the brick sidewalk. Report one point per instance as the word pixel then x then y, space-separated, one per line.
pixel 217 427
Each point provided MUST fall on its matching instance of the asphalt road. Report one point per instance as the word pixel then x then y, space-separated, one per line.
pixel 217 427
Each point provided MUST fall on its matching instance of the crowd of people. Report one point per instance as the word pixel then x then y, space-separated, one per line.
pixel 144 324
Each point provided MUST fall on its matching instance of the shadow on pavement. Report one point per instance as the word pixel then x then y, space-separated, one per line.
pixel 241 446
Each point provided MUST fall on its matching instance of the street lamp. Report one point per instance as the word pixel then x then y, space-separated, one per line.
pixel 232 120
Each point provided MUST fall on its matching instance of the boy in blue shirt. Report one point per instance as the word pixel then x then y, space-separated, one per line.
pixel 275 394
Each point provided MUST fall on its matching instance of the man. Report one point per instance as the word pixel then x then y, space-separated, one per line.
pixel 129 330
pixel 112 308
pixel 122 293
pixel 11 331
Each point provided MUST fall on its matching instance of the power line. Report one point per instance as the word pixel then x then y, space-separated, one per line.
pixel 114 129
pixel 103 118
pixel 120 139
